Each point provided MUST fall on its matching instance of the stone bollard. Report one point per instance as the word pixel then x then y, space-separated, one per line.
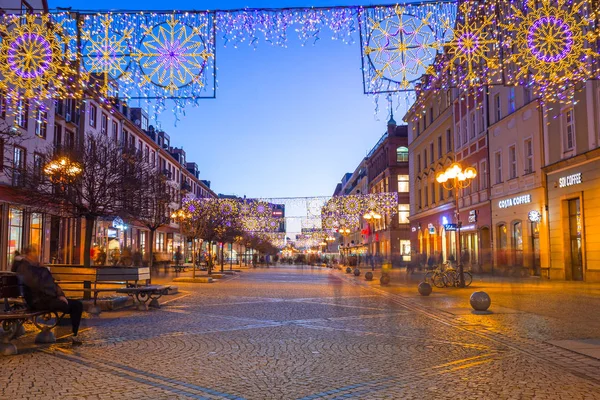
pixel 356 272
pixel 384 280
pixel 348 270
pixel 424 289
pixel 369 276
pixel 480 301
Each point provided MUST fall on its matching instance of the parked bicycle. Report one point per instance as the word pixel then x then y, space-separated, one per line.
pixel 451 276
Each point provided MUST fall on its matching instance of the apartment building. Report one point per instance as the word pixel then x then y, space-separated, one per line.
pixel 431 150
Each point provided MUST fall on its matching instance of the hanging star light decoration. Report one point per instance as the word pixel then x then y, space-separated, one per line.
pixel 471 51
pixel 107 53
pixel 35 59
pixel 173 55
pixel 552 41
pixel 401 48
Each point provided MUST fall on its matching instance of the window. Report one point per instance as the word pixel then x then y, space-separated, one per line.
pixel 41 122
pixel 448 98
pixel 18 165
pixel 527 95
pixel 2 104
pixel 418 163
pixel 517 242
pixel 93 114
pixel 431 153
pixel 115 131
pixel 125 138
pixel 448 141
pixel 69 139
pixel 439 146
pixel 144 122
pixel 35 232
pixel 458 137
pixel 153 159
pixel 425 158
pixel 498 159
pixel 403 183
pixel 38 164
pixel 432 187
pixel 473 124
pixel 402 154
pixel 512 104
pixel 512 160
pixel 15 232
pixel 22 113
pixel 147 154
pixel 465 130
pixel 441 192
pixel 569 129
pixel 482 122
pixel 57 135
pixel 426 197
pixel 403 212
pixel 104 124
pixel 498 104
pixel 475 182
pixel 431 115
pixel 502 244
pixel 420 199
pixel 528 156
pixel 483 175
pixel 418 127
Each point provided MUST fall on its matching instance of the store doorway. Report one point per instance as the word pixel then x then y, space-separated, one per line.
pixel 575 238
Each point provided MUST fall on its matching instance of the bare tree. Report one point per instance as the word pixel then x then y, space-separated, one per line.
pixel 96 178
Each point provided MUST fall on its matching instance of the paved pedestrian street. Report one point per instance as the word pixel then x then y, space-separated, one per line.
pixel 316 333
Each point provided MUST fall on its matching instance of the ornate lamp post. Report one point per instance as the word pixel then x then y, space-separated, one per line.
pixel 371 217
pixel 455 178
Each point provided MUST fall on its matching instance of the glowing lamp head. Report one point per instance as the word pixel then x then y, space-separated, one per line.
pixel 368 216
pixel 461 177
pixel 470 173
pixel 441 177
pixel 376 215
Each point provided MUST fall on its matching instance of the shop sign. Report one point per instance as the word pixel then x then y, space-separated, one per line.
pixel 472 216
pixel 570 180
pixel 431 229
pixel 450 227
pixel 515 201
pixel 534 216
pixel 118 223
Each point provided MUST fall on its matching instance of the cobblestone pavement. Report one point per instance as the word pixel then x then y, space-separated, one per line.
pixel 313 333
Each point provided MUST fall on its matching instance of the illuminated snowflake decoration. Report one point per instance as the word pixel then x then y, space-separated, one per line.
pixel 352 205
pixel 473 43
pixel 33 59
pixel 401 48
pixel 106 52
pixel 173 55
pixel 552 40
pixel 227 207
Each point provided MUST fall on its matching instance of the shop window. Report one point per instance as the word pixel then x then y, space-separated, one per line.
pixel 405 249
pixel 35 232
pixel 502 244
pixel 160 241
pixel 403 212
pixel 402 154
pixel 15 233
pixel 403 184
pixel 517 242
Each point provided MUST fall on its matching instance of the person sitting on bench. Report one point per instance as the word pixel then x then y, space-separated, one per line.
pixel 41 292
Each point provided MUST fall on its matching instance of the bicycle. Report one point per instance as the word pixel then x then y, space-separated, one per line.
pixel 436 276
pixel 452 278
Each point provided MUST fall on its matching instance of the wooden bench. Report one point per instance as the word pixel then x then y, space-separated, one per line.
pixel 128 276
pixel 15 313
pixel 143 294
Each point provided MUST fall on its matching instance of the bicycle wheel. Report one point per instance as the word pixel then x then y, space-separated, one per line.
pixel 438 280
pixel 428 277
pixel 468 278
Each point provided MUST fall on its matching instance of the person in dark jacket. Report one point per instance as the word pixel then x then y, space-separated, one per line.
pixel 40 290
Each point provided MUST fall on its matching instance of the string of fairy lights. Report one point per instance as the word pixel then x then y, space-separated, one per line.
pixel 549 46
pixel 322 217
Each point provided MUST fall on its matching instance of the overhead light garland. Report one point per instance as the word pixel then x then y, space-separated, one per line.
pixel 152 57
pixel 347 211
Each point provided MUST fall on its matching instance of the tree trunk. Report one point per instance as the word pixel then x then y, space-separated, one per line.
pixel 194 258
pixel 209 262
pixel 151 250
pixel 222 246
pixel 87 242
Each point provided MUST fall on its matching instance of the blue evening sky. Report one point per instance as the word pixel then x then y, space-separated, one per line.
pixel 286 121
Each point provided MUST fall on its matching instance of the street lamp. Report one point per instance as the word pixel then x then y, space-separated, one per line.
pixel 371 216
pixel 181 216
pixel 455 178
pixel 62 170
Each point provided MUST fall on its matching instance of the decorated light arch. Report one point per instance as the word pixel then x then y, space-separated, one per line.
pixel 550 46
